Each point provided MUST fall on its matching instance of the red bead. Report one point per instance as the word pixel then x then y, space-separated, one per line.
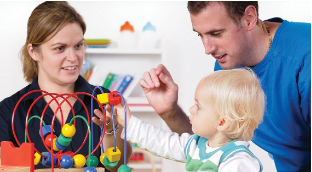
pixel 48 139
pixel 114 100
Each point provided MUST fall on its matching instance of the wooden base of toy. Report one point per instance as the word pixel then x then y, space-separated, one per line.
pixel 99 169
pixel 5 168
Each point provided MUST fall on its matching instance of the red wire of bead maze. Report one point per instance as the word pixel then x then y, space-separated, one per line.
pixel 31 156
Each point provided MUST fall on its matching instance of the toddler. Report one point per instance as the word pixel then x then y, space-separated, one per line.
pixel 229 105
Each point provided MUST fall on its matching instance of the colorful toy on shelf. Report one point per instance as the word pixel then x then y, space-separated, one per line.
pixel 128 39
pixel 148 38
pixel 28 156
pixel 97 43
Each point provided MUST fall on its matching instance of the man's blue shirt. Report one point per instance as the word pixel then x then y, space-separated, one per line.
pixel 285 75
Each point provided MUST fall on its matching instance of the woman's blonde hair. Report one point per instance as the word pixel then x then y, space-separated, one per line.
pixel 46 20
pixel 239 98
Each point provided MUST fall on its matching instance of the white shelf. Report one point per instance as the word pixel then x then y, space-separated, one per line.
pixel 144 165
pixel 141 109
pixel 122 51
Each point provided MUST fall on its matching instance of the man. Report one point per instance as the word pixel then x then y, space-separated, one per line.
pixel 278 51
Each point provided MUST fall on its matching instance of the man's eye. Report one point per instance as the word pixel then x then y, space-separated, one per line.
pixel 216 34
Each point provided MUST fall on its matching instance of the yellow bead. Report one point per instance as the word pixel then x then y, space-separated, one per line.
pixel 54 146
pixel 103 98
pixel 37 158
pixel 103 155
pixel 79 161
pixel 68 130
pixel 113 156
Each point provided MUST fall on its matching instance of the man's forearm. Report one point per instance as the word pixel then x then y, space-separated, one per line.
pixel 178 121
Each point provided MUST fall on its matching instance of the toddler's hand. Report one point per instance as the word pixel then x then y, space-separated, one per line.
pixel 119 111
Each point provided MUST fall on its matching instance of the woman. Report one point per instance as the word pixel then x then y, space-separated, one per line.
pixel 52 59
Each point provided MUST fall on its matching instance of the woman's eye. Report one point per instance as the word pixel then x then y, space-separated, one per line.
pixel 79 45
pixel 60 48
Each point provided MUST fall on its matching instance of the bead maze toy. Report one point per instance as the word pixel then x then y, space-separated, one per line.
pixel 26 155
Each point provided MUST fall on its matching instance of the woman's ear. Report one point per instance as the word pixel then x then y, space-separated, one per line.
pixel 32 52
pixel 223 124
pixel 250 17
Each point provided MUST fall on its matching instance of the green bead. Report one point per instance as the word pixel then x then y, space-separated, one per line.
pixel 109 164
pixel 124 168
pixel 92 161
pixel 64 141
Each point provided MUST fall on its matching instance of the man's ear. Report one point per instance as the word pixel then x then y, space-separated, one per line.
pixel 34 55
pixel 250 17
pixel 223 124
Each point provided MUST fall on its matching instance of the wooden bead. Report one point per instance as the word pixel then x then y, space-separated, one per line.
pixel 124 168
pixel 58 145
pixel 114 100
pixel 92 161
pixel 54 145
pixel 103 98
pixel 49 138
pixel 68 130
pixel 64 141
pixel 79 161
pixel 48 160
pixel 46 129
pixel 37 158
pixel 109 164
pixel 103 155
pixel 113 155
pixel 66 161
pixel 89 169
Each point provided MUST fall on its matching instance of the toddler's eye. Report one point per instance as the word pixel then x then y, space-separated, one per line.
pixel 197 106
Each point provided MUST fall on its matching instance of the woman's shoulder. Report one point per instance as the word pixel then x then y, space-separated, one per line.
pixel 14 98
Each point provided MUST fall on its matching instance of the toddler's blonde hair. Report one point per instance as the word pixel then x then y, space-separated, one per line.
pixel 238 97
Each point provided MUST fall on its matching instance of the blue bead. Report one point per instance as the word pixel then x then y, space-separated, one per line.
pixel 46 129
pixel 66 161
pixel 58 145
pixel 89 169
pixel 47 161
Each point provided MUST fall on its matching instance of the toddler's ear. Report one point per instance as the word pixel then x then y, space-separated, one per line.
pixel 223 124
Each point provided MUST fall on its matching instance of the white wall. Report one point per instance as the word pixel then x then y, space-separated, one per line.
pixel 185 56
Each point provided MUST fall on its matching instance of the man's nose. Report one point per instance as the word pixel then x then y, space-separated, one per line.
pixel 209 45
